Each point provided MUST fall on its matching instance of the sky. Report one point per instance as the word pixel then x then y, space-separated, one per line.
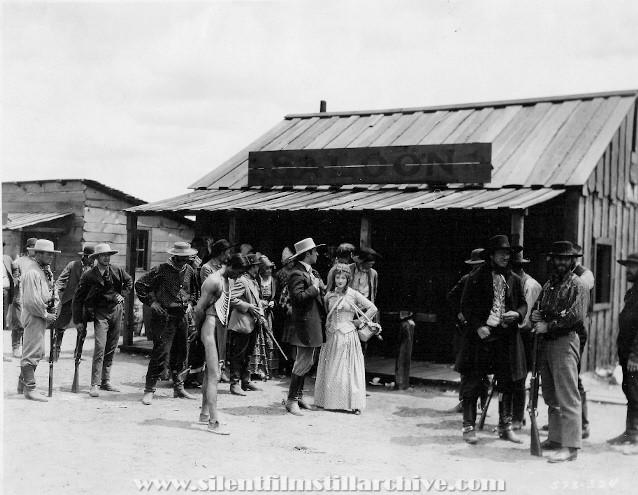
pixel 148 97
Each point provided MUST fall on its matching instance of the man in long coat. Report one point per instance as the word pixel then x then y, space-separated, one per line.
pixel 493 304
pixel 308 314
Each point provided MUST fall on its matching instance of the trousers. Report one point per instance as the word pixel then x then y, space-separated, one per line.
pixel 559 379
pixel 108 327
pixel 170 333
pixel 630 388
pixel 240 345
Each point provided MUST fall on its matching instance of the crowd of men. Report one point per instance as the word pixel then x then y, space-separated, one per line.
pixel 500 309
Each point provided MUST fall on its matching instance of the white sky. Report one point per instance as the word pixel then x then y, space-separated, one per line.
pixel 148 97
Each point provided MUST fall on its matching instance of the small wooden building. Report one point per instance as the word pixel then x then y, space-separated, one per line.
pixel 71 212
pixel 424 186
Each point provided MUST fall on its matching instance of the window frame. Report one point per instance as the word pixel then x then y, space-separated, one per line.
pixel 149 244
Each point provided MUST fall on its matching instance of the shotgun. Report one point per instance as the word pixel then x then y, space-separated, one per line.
pixel 481 422
pixel 535 441
pixel 77 356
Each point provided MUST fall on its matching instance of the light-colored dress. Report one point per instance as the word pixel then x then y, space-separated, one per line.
pixel 341 378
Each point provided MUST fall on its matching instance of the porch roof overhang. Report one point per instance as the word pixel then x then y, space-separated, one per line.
pixel 18 221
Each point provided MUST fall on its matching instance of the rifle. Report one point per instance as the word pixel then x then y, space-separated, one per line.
pixel 481 422
pixel 535 441
pixel 77 355
pixel 52 339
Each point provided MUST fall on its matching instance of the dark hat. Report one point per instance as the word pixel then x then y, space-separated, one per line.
pixel 266 263
pixel 632 258
pixel 254 258
pixel 499 242
pixel 219 247
pixel 31 241
pixel 475 257
pixel 364 254
pixel 518 258
pixel 563 248
pixel 578 249
pixel 238 261
pixel 87 249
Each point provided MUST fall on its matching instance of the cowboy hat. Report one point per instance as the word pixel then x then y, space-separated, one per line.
pixel 475 257
pixel 304 245
pixel 43 245
pixel 632 258
pixel 31 241
pixel 364 254
pixel 182 249
pixel 266 263
pixel 102 249
pixel 499 242
pixel 219 247
pixel 87 249
pixel 563 248
pixel 254 258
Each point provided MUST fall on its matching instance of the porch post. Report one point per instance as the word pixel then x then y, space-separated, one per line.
pixel 131 265
pixel 232 225
pixel 365 233
pixel 518 227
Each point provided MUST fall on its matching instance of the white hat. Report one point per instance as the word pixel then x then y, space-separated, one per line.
pixel 43 245
pixel 102 249
pixel 182 249
pixel 305 245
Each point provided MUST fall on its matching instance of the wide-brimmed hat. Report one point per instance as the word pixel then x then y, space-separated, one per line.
pixel 286 255
pixel 364 254
pixel 632 258
pixel 87 249
pixel 43 245
pixel 219 247
pixel 182 249
pixel 266 263
pixel 102 249
pixel 238 261
pixel 246 249
pixel 31 241
pixel 254 258
pixel 499 242
pixel 563 248
pixel 518 258
pixel 475 257
pixel 304 245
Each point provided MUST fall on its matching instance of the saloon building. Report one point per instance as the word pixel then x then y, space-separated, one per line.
pixel 425 186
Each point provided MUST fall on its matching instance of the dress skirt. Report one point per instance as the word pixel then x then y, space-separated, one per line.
pixel 341 378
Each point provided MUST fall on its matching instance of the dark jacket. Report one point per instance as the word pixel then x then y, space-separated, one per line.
pixel 68 281
pixel 628 328
pixel 92 293
pixel 308 313
pixel 476 304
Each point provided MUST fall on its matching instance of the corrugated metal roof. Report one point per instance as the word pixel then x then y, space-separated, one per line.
pixel 549 142
pixel 17 221
pixel 352 200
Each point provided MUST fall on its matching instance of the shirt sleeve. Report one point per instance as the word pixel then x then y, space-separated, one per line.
pixel 63 279
pixel 574 312
pixel 145 286
pixel 32 294
pixel 587 278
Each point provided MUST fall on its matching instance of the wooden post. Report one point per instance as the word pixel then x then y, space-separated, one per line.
pixel 232 226
pixel 364 240
pixel 518 227
pixel 322 106
pixel 131 265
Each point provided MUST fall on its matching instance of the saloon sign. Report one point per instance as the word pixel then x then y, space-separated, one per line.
pixel 418 164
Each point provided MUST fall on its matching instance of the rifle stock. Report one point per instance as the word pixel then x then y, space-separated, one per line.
pixel 77 355
pixel 481 422
pixel 535 440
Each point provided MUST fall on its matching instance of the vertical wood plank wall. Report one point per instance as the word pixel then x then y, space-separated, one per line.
pixel 608 210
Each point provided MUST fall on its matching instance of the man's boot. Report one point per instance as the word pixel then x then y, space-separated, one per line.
pixel 469 420
pixel 505 431
pixel 59 335
pixel 518 408
pixel 147 400
pixel 178 388
pixel 303 403
pixel 17 352
pixel 28 372
pixel 20 383
pixel 292 404
pixel 584 415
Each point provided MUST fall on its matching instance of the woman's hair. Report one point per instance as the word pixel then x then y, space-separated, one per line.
pixel 343 269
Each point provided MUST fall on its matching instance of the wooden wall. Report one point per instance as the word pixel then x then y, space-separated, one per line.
pixel 608 209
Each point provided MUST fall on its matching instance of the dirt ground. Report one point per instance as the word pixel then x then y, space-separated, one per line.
pixel 78 444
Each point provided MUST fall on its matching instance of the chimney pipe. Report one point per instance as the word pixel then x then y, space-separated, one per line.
pixel 322 106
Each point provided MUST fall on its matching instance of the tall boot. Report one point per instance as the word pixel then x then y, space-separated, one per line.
pixel 20 382
pixel 292 404
pixel 518 408
pixel 178 387
pixel 303 403
pixel 28 373
pixel 505 407
pixel 469 420
pixel 59 335
pixel 584 415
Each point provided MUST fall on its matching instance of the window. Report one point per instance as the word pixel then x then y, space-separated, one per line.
pixel 603 266
pixel 142 249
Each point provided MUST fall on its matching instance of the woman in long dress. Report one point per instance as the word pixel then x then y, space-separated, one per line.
pixel 341 382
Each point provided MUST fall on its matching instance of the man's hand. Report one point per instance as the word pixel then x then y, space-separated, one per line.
pixel 484 332
pixel 536 316
pixel 157 307
pixel 81 328
pixel 51 317
pixel 189 309
pixel 254 310
pixel 511 317
pixel 632 365
pixel 119 298
pixel 316 282
pixel 540 327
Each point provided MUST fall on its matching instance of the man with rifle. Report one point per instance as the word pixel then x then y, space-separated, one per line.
pixel 558 315
pixel 493 304
pixel 38 297
pixel 100 296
